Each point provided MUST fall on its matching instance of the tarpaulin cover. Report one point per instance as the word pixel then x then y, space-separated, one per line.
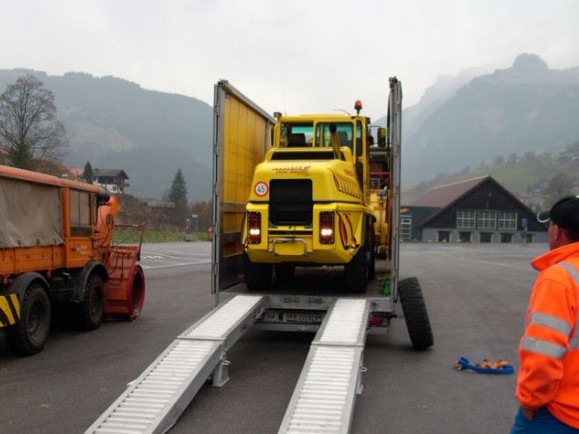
pixel 30 214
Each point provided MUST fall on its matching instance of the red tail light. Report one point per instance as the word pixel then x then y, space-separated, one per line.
pixel 254 227
pixel 327 227
pixel 377 321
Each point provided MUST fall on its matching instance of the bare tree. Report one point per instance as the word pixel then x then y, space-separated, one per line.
pixel 29 126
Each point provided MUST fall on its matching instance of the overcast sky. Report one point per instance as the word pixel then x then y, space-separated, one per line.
pixel 296 56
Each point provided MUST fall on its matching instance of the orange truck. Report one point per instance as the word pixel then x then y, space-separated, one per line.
pixel 57 258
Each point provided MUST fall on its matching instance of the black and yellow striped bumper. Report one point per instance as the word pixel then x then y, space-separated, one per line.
pixel 9 310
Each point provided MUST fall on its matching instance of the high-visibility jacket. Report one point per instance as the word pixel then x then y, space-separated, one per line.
pixel 549 349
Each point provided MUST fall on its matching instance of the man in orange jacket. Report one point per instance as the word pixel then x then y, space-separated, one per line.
pixel 548 378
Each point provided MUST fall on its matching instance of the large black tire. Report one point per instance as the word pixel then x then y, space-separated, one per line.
pixel 258 277
pixel 29 335
pixel 356 273
pixel 91 310
pixel 415 313
pixel 371 254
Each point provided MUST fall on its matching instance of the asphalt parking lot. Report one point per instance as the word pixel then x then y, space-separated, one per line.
pixel 476 297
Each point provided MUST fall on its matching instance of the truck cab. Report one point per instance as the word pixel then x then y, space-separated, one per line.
pixel 56 250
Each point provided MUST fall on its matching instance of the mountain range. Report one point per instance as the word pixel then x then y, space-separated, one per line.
pixel 464 121
pixel 460 122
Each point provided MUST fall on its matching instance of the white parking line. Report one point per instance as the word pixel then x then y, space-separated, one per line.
pixel 174 264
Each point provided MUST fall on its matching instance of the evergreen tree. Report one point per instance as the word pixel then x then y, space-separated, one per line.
pixel 88 174
pixel 178 195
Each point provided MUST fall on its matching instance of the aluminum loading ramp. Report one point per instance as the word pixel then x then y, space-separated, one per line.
pixel 323 400
pixel 154 402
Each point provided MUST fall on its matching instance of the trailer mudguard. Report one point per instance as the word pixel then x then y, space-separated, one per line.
pixel 81 279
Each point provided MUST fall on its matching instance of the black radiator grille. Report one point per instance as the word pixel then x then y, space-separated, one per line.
pixel 290 202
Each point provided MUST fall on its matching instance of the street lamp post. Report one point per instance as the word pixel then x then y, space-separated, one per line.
pixel 195 218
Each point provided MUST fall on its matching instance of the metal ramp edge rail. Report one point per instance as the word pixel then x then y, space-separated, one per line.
pixel 156 399
pixel 324 396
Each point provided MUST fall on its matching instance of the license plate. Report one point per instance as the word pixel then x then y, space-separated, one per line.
pixel 290 248
pixel 304 318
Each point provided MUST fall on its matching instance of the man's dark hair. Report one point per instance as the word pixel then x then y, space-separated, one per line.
pixel 572 236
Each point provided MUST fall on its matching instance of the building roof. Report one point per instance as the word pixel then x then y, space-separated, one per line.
pixel 445 197
pixel 441 197
pixel 110 173
pixel 156 203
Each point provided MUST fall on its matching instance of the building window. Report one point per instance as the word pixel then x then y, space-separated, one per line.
pixel 406 228
pixel 486 219
pixel 506 238
pixel 465 219
pixel 443 236
pixel 508 220
pixel 465 237
pixel 486 237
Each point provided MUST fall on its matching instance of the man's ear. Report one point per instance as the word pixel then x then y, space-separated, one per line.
pixel 558 234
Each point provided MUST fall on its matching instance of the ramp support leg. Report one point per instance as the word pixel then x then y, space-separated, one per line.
pixel 221 372
pixel 360 387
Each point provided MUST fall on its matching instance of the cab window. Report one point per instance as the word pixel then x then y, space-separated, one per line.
pixel 344 130
pixel 80 218
pixel 296 135
pixel 359 143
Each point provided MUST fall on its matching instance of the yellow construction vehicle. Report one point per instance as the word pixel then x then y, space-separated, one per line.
pixel 322 196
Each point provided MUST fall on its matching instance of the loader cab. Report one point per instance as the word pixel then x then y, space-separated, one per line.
pixel 300 132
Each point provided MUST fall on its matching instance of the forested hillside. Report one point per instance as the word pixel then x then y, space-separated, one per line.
pixel 113 123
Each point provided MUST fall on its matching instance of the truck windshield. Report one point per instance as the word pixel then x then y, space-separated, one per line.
pixel 297 135
pixel 344 130
pixel 303 134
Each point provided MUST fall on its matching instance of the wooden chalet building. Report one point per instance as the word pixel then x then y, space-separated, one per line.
pixel 112 180
pixel 478 210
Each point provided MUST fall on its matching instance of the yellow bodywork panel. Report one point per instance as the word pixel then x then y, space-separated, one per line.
pixel 243 129
pixel 301 244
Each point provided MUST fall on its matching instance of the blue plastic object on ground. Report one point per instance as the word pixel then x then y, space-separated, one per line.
pixel 464 363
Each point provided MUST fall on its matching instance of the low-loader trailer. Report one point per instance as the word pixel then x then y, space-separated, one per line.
pixel 304 206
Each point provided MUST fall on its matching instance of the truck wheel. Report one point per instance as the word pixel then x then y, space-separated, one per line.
pixel 415 313
pixel 91 310
pixel 356 272
pixel 284 272
pixel 28 336
pixel 372 266
pixel 257 276
pixel 371 252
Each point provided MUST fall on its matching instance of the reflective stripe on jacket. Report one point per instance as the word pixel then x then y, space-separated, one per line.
pixel 549 349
